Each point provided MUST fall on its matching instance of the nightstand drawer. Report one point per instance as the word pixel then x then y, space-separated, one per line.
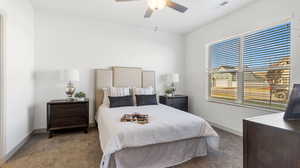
pixel 178 102
pixel 68 121
pixel 62 111
pixel 181 106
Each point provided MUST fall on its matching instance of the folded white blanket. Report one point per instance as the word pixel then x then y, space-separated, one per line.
pixel 166 124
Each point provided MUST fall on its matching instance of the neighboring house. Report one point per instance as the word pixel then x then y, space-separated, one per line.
pixel 263 79
pixel 258 85
pixel 229 79
pixel 255 80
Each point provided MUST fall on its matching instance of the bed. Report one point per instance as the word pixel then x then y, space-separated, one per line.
pixel 170 138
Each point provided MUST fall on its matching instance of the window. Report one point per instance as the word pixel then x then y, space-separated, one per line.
pixel 252 69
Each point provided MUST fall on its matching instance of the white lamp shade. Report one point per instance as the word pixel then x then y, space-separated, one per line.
pixel 174 78
pixel 157 4
pixel 70 75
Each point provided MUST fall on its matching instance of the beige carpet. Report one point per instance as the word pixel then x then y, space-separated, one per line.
pixel 79 150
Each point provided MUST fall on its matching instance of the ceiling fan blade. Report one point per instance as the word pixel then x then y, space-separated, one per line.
pixel 176 6
pixel 148 13
pixel 125 0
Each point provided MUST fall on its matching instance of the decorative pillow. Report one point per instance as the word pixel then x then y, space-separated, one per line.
pixel 143 91
pixel 143 100
pixel 120 101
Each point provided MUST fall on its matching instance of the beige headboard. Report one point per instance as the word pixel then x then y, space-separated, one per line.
pixel 121 77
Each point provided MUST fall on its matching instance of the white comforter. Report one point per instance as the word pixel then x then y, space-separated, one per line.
pixel 166 125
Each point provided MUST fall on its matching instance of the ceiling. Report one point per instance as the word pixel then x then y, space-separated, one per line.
pixel 131 13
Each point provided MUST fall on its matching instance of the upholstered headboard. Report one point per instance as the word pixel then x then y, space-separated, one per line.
pixel 121 77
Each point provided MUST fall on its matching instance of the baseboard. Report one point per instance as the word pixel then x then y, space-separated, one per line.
pixel 18 147
pixel 1 161
pixel 92 125
pixel 40 131
pixel 44 130
pixel 238 133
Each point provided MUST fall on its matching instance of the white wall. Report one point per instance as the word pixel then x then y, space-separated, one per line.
pixel 19 62
pixel 64 41
pixel 259 14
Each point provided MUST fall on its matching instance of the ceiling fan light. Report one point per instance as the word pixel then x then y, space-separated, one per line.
pixel 157 4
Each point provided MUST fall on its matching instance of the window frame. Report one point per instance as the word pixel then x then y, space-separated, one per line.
pixel 240 102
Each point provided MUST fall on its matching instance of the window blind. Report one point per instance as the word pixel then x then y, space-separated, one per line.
pixel 266 67
pixel 225 53
pixel 264 79
pixel 268 47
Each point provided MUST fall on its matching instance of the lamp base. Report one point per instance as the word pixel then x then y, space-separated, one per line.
pixel 173 87
pixel 70 90
pixel 70 99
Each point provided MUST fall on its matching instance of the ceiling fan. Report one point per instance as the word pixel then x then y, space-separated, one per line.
pixel 154 5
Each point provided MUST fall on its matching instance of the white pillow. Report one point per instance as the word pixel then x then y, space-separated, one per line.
pixel 113 91
pixel 143 91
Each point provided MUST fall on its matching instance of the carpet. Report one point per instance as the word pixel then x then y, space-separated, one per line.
pixel 78 150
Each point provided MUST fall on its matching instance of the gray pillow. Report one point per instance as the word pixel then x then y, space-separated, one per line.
pixel 120 101
pixel 143 100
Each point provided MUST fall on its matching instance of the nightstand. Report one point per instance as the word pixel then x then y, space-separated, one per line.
pixel 178 101
pixel 64 114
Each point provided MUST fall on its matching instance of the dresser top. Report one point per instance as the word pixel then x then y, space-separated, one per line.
pixel 176 96
pixel 276 120
pixel 65 101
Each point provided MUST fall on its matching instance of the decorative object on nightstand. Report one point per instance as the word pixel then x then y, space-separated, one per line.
pixel 169 92
pixel 178 101
pixel 173 79
pixel 80 96
pixel 64 114
pixel 69 76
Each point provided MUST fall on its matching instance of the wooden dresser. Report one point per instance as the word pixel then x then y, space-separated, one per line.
pixel 178 101
pixel 271 142
pixel 67 114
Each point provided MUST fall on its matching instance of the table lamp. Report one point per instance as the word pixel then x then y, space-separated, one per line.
pixel 174 78
pixel 69 76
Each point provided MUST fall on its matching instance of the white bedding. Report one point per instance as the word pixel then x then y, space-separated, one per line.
pixel 166 125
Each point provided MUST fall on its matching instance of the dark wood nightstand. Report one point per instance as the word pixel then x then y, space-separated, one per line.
pixel 63 114
pixel 178 101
